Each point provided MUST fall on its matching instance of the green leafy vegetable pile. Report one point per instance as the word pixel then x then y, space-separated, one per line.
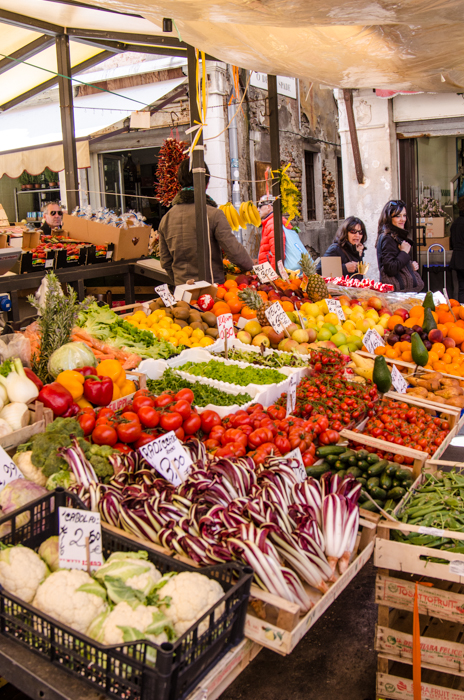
pixel 274 360
pixel 203 394
pixel 104 324
pixel 233 374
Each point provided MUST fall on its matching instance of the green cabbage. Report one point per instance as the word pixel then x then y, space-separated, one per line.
pixel 71 356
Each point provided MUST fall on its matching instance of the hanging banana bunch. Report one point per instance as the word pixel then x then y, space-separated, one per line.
pixel 247 214
pixel 290 195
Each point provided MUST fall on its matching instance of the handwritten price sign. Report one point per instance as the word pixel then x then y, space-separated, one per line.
pixel 8 470
pixel 225 324
pixel 372 340
pixel 165 294
pixel 297 464
pixel 79 536
pixel 168 457
pixel 291 395
pixel 283 271
pixel 277 317
pixel 265 272
pixel 335 307
pixel 399 381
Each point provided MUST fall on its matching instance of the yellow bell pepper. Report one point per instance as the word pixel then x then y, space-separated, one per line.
pixel 128 388
pixel 111 368
pixel 73 382
pixel 83 403
pixel 116 392
pixel 121 380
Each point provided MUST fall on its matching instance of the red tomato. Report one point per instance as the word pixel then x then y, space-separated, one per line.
pixel 140 401
pixel 104 435
pixel 182 407
pixel 125 449
pixel 308 459
pixel 209 419
pixel 171 421
pixel 87 423
pixel 130 431
pixel 164 400
pixel 148 416
pixel 232 449
pixel 259 437
pixel 329 437
pixel 130 416
pixel 212 444
pixel 105 413
pixel 217 432
pixel 192 424
pixel 185 395
pixel 144 439
pixel 282 443
pixel 180 434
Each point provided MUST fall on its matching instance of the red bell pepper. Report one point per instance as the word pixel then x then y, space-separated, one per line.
pixel 34 378
pixel 56 397
pixel 72 411
pixel 86 371
pixel 98 390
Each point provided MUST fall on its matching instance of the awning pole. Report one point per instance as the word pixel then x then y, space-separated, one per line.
pixel 275 164
pixel 198 167
pixel 67 121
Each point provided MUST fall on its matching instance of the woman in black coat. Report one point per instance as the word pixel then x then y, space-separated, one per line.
pixel 393 246
pixel 348 245
pixel 457 246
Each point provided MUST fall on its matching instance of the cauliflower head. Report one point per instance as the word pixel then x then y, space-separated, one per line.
pixel 72 597
pixel 49 551
pixel 187 597
pixel 128 570
pixel 21 571
pixel 128 624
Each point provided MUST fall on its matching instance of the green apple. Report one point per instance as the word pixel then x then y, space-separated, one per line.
pixel 344 349
pixel 330 327
pixel 339 339
pixel 324 334
pixel 354 340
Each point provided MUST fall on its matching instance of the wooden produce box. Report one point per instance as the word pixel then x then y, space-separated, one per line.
pixel 129 243
pixel 40 418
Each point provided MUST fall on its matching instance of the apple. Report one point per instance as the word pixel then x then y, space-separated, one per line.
pixel 327 344
pixel 261 339
pixel 302 349
pixel 403 313
pixel 375 303
pixel 312 335
pixel 355 302
pixel 282 344
pixel 266 330
pixel 301 336
pixel 344 300
pixel 436 336
pixel 275 338
pixel 448 342
pixel 244 337
pixel 293 327
pixel 291 345
pixel 253 328
pixel 384 311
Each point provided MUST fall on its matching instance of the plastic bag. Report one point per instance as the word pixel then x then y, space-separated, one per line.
pixel 15 345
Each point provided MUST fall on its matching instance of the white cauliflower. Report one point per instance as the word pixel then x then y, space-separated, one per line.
pixel 21 571
pixel 128 624
pixel 128 576
pixel 188 596
pixel 72 597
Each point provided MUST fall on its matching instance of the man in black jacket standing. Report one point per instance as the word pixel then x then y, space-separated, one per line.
pixel 457 246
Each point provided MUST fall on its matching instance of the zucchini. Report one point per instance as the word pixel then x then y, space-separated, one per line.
pixel 352 461
pixel 396 482
pixel 363 465
pixel 397 493
pixel 354 471
pixel 378 494
pixel 331 459
pixel 390 504
pixel 385 481
pixel 404 475
pixel 317 471
pixel 346 455
pixel 378 468
pixel 373 483
pixel 330 450
pixel 372 458
pixel 361 481
pixel 362 454
pixel 338 465
pixel 341 473
pixel 368 505
pixel 392 469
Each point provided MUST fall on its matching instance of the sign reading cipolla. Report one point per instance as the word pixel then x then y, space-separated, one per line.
pixel 285 86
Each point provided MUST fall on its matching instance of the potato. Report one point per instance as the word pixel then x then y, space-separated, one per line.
pixel 456 401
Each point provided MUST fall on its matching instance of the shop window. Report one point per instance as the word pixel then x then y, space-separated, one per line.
pixel 341 196
pixel 310 189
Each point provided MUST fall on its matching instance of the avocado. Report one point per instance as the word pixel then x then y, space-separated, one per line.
pixel 418 350
pixel 428 302
pixel 210 319
pixel 428 323
pixel 381 374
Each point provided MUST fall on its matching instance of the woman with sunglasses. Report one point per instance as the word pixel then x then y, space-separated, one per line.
pixel 52 217
pixel 349 246
pixel 393 246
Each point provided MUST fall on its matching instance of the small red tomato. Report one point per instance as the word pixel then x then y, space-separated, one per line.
pixel 87 423
pixel 164 400
pixel 182 407
pixel 192 424
pixel 142 400
pixel 129 432
pixel 180 434
pixel 130 416
pixel 171 421
pixel 104 435
pixel 149 416
pixel 185 395
pixel 208 420
pixel 144 439
pixel 125 449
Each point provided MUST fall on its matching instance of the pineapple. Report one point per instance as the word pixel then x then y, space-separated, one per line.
pixel 316 287
pixel 252 299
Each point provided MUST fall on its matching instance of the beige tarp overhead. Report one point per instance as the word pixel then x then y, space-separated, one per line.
pixel 408 45
pixel 35 160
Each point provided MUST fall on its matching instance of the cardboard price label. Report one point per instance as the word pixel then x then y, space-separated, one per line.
pixel 265 272
pixel 80 539
pixel 398 381
pixel 283 271
pixel 299 470
pixel 165 294
pixel 335 307
pixel 8 469
pixel 291 394
pixel 225 324
pixel 48 263
pixel 277 317
pixel 168 457
pixel 372 340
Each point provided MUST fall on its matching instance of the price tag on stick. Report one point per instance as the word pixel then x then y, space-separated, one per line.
pixel 398 381
pixel 372 340
pixel 299 470
pixel 8 469
pixel 265 272
pixel 283 271
pixel 277 318
pixel 165 294
pixel 79 540
pixel 291 394
pixel 168 457
pixel 335 307
pixel 225 324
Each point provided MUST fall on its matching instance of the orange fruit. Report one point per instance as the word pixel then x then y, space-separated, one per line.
pixel 444 329
pixel 392 353
pixel 405 346
pixel 380 350
pixel 235 305
pixel 428 366
pixel 393 320
pixel 456 334
pixel 228 284
pixel 220 307
pixel 416 311
pixel 230 295
pixel 406 355
pixel 460 311
pixel 263 296
pixel 460 323
pixel 445 316
pixel 248 313
pixel 452 352
pixel 287 305
pixel 220 293
pixel 441 307
pixel 433 357
pixel 439 348
pixel 440 366
pixel 454 302
pixel 454 368
pixel 447 359
pixel 235 317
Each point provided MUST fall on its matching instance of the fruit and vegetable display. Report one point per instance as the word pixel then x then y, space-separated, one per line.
pixel 266 359
pixel 233 374
pixel 203 394
pixel 433 386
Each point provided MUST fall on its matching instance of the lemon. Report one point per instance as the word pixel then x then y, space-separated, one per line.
pixel 140 315
pixel 182 339
pixel 188 342
pixel 174 341
pixel 195 345
pixel 198 334
pixel 144 326
pixel 204 342
pixel 188 330
pixel 176 327
pixel 132 321
pixel 165 322
pixel 331 318
pixel 163 333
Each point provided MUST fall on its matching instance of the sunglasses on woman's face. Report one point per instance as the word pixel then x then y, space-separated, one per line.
pixel 55 213
pixel 356 230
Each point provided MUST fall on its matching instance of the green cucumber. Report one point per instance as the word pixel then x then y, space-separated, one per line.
pixel 385 481
pixel 378 468
pixel 346 455
pixel 362 454
pixel 352 461
pixel 317 471
pixel 373 483
pixel 368 505
pixel 331 459
pixel 361 481
pixel 392 469
pixel 372 458
pixel 354 471
pixel 341 473
pixel 396 482
pixel 330 450
pixel 338 465
pixel 363 465
pixel 404 474
pixel 397 493
pixel 390 504
pixel 378 494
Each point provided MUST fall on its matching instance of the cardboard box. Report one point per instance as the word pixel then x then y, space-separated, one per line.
pixel 445 242
pixel 31 239
pixel 434 226
pixel 129 243
pixel 191 292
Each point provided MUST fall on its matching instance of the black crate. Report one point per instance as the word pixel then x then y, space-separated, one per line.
pixel 103 254
pixel 123 672
pixel 64 260
pixel 27 263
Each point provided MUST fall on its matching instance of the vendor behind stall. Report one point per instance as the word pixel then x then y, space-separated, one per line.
pixel 52 217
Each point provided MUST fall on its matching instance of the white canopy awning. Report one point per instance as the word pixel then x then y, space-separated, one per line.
pixel 22 129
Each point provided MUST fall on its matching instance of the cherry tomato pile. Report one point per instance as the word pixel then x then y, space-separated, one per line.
pixel 407 425
pixel 328 362
pixel 344 403
pixel 142 421
pixel 259 433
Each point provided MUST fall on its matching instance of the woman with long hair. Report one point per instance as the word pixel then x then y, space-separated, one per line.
pixel 348 245
pixel 393 247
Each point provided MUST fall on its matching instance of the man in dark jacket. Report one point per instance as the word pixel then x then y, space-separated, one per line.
pixel 457 246
pixel 178 239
